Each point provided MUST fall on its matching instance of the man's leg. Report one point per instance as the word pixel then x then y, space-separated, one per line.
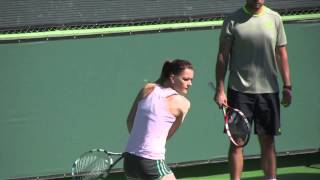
pixel 235 162
pixel 268 156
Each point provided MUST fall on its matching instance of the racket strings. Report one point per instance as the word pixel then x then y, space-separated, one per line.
pixel 92 165
pixel 237 124
pixel 238 127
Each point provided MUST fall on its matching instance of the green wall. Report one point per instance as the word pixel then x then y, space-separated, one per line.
pixel 61 98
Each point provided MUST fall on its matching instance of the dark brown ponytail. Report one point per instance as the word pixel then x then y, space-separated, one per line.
pixel 173 67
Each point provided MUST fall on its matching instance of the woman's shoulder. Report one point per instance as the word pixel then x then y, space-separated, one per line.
pixel 149 85
pixel 147 89
pixel 181 101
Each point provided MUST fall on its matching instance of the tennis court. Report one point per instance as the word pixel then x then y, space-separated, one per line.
pixel 286 173
pixel 290 167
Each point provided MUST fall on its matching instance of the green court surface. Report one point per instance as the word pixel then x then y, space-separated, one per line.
pixel 302 172
pixel 286 173
pixel 290 167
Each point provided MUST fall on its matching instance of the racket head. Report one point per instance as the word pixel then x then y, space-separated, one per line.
pixel 92 165
pixel 237 126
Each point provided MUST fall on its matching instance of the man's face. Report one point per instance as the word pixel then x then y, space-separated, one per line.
pixel 255 4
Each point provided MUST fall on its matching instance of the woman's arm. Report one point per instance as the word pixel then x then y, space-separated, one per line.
pixel 178 106
pixel 145 91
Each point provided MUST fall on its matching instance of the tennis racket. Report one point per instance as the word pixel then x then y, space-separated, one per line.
pixel 95 164
pixel 236 125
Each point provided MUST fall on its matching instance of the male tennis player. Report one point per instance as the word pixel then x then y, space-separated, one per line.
pixel 253 45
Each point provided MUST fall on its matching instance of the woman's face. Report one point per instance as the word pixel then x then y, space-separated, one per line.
pixel 182 82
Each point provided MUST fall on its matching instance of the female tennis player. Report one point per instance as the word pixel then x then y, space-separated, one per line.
pixel 155 115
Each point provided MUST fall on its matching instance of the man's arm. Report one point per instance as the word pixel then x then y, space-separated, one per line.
pixel 283 65
pixel 221 70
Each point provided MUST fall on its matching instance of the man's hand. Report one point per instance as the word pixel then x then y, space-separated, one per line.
pixel 286 97
pixel 220 99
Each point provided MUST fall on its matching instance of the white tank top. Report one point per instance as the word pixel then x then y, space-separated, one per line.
pixel 152 123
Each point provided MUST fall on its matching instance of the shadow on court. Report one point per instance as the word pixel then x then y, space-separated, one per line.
pixel 293 176
pixel 308 160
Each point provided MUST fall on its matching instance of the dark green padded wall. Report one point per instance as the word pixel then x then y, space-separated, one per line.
pixel 60 98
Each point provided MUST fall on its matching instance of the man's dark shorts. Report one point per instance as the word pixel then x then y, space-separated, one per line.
pixel 263 110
